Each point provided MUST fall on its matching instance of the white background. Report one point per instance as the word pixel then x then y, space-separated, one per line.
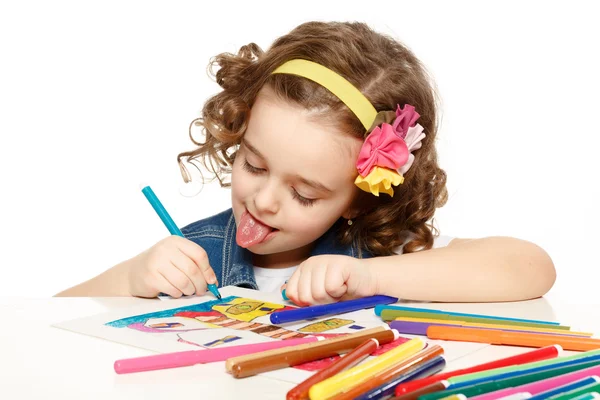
pixel 96 97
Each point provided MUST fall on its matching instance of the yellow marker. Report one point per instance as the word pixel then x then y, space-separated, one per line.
pixel 354 376
pixel 495 326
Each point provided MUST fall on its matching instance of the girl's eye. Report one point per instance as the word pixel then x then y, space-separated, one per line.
pixel 303 200
pixel 251 168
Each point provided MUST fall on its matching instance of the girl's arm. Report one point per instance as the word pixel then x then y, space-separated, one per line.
pixel 467 270
pixel 175 266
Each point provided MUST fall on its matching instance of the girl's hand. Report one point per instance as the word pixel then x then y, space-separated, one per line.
pixel 175 266
pixel 330 278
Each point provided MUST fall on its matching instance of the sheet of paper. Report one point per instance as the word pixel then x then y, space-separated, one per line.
pixel 241 317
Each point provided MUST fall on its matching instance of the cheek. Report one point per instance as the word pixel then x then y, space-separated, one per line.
pixel 315 220
pixel 238 192
pixel 240 182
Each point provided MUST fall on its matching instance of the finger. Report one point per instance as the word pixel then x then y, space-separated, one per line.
pixel 167 287
pixel 335 282
pixel 305 288
pixel 178 279
pixel 291 288
pixel 199 256
pixel 191 270
pixel 319 294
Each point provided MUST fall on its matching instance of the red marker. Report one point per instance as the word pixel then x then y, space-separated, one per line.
pixel 543 353
pixel 354 357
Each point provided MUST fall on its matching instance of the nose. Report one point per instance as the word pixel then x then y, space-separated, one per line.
pixel 266 199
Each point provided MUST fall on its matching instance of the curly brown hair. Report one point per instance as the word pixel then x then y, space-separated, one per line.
pixel 384 70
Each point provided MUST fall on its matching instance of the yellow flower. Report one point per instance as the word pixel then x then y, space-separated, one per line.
pixel 379 180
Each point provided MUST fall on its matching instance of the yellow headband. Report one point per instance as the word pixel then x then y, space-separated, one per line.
pixel 336 84
pixel 382 167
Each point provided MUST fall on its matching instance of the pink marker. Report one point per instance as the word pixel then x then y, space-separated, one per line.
pixel 541 386
pixel 192 357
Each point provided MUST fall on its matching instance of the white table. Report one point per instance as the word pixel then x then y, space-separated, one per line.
pixel 42 362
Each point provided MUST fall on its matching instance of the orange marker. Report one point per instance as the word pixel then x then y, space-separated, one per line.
pixel 300 392
pixel 496 336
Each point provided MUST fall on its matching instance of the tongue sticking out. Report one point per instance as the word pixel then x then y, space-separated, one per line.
pixel 250 231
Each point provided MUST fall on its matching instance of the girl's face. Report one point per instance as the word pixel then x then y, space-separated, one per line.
pixel 292 179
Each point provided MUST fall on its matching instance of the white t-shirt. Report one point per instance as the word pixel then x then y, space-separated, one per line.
pixel 271 279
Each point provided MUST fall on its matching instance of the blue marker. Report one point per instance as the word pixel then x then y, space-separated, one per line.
pixel 281 317
pixel 170 224
pixel 590 380
pixel 423 370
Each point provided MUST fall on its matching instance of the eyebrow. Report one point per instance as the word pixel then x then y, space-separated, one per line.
pixel 253 149
pixel 314 184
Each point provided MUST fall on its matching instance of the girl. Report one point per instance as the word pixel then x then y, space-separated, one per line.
pixel 328 139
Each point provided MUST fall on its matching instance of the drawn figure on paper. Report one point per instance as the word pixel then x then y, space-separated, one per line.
pixel 223 337
pixel 327 325
pixel 271 331
pixel 245 309
pixel 218 342
pixel 162 325
pixel 170 324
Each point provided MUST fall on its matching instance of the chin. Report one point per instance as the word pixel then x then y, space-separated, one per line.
pixel 268 248
pixel 262 249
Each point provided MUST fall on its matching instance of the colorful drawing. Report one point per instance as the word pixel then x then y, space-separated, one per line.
pixel 327 325
pixel 231 312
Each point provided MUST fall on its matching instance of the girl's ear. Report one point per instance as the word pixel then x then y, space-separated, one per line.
pixel 350 213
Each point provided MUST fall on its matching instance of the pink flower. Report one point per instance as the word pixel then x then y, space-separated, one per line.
pixel 413 139
pixel 382 148
pixel 405 118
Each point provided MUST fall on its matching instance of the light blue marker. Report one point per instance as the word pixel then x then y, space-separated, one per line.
pixel 171 226
pixel 587 396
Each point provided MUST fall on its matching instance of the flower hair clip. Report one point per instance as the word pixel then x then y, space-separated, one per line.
pixel 386 155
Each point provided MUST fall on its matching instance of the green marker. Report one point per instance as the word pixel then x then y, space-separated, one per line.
pixel 520 367
pixel 390 315
pixel 482 388
pixel 171 226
